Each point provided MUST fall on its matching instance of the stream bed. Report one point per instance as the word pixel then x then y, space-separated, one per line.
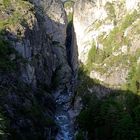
pixel 62 117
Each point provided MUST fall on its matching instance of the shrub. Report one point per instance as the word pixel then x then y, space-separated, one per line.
pixel 5 51
pixel 6 3
pixel 114 117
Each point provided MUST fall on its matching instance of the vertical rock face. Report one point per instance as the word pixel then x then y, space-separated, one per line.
pixel 74 51
pixel 84 16
pixel 107 33
pixel 71 42
pixel 42 42
pixel 33 60
pixel 105 38
pixel 55 18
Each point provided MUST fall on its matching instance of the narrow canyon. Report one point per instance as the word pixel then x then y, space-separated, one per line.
pixel 69 69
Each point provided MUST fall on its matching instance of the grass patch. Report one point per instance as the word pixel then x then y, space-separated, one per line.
pixel 129 19
pixel 6 3
pixel 116 38
pixel 110 10
pixel 68 4
pixel 133 81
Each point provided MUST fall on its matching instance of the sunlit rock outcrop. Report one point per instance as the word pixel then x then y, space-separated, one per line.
pixel 107 35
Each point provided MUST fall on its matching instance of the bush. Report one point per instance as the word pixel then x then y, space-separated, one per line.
pixel 114 117
pixel 6 3
pixel 4 124
pixel 5 51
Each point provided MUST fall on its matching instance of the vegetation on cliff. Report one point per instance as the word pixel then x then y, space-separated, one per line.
pixel 26 112
pixel 110 111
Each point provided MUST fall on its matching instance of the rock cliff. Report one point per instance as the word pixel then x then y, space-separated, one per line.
pixel 107 35
pixel 40 41
pixel 33 61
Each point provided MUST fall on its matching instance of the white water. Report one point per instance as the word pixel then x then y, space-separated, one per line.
pixel 63 120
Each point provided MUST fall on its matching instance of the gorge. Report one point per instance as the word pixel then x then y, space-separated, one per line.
pixel 69 70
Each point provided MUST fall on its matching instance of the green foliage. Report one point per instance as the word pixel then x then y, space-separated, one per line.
pixel 70 17
pixel 9 57
pixel 125 128
pixel 129 19
pixel 92 54
pixel 3 23
pixel 136 28
pixel 133 80
pixel 3 127
pixel 113 117
pixel 116 37
pixel 84 81
pixel 14 10
pixel 16 17
pixel 109 120
pixel 91 57
pixel 6 3
pixel 95 55
pixel 80 136
pixel 113 41
pixel 69 4
pixel 110 10
pixel 12 20
pixel 5 51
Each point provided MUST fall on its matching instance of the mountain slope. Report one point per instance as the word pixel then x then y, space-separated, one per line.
pixel 33 62
pixel 107 34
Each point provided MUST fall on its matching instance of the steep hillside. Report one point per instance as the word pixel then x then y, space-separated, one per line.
pixel 33 62
pixel 107 34
pixel 62 57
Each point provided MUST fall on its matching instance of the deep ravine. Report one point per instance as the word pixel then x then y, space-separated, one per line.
pixel 64 110
pixel 33 62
